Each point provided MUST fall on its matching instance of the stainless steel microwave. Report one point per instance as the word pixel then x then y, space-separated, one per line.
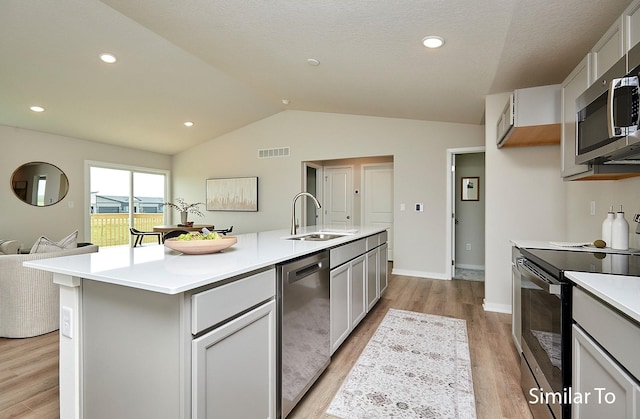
pixel 607 113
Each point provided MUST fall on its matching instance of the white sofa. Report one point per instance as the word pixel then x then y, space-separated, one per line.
pixel 29 299
pixel 9 247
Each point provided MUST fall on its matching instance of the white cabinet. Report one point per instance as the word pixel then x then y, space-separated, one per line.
pixel 573 86
pixel 235 363
pixel 358 277
pixel 347 302
pixel 358 291
pixel 631 24
pixel 187 355
pixel 612 393
pixel 605 360
pixel 530 117
pixel 373 288
pixel 608 50
pixel 383 275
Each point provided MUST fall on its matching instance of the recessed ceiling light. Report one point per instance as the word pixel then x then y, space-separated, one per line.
pixel 433 41
pixel 313 62
pixel 107 58
pixel 188 124
pixel 37 108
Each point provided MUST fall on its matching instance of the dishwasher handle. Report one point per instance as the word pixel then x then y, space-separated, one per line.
pixel 305 271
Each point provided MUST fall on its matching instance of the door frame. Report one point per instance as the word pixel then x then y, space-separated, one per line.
pixel 451 199
pixel 319 192
pixel 363 193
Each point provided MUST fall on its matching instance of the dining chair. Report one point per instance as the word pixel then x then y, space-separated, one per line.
pixel 173 233
pixel 139 236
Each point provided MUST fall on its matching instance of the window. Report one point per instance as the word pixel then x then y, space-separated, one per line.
pixel 123 197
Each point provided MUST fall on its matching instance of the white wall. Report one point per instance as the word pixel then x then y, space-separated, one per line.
pixel 582 226
pixel 525 199
pixel 419 154
pixel 26 223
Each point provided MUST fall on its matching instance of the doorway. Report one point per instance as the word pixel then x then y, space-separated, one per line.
pixel 465 256
pixel 356 191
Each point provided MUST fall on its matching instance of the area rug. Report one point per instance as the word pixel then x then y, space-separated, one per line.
pixel 415 366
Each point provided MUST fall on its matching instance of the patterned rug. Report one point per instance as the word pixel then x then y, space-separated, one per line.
pixel 415 366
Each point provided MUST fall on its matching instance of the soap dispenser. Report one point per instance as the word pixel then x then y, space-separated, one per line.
pixel 607 225
pixel 620 232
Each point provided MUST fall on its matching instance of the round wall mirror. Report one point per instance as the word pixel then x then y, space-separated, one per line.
pixel 39 184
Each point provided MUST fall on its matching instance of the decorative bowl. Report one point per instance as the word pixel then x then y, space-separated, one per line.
pixel 200 247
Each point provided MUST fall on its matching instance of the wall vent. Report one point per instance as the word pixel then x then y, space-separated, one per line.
pixel 273 152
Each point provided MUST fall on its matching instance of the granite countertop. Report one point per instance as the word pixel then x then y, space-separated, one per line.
pixel 157 268
pixel 620 291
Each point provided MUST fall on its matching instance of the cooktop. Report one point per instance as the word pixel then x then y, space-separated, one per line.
pixel 557 261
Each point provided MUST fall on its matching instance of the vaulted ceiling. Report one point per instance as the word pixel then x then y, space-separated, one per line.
pixel 223 64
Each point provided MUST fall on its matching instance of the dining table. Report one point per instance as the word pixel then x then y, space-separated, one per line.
pixel 196 227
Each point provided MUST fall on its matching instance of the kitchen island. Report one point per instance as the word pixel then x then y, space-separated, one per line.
pixel 150 332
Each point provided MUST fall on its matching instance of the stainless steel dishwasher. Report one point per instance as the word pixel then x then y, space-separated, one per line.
pixel 304 348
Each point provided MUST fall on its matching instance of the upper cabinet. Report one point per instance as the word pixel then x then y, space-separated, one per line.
pixel 609 49
pixel 631 25
pixel 531 117
pixel 573 86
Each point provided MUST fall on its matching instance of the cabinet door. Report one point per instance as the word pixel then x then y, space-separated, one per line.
pixel 572 87
pixel 382 270
pixel 373 292
pixel 631 18
pixel 234 363
pixel 358 307
pixel 608 50
pixel 593 369
pixel 339 303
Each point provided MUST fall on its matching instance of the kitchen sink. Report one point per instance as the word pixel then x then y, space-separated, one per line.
pixel 318 237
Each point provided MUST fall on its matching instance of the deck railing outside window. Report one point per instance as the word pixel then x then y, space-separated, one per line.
pixel 113 229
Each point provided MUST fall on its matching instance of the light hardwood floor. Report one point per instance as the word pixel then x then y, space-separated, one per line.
pixel 29 367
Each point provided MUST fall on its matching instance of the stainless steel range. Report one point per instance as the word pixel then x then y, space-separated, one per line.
pixel 546 320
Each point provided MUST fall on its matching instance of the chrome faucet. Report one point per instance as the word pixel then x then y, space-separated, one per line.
pixel 294 228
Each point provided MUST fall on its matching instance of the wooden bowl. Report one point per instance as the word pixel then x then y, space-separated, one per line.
pixel 200 247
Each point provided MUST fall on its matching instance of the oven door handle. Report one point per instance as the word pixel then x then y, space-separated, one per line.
pixel 549 287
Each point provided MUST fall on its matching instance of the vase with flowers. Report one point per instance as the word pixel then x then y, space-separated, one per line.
pixel 184 208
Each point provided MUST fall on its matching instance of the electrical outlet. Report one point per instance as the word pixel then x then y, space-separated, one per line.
pixel 67 322
pixel 468 246
pixel 636 218
pixel 419 207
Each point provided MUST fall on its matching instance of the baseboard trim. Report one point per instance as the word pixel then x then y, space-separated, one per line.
pixel 474 267
pixel 419 274
pixel 498 308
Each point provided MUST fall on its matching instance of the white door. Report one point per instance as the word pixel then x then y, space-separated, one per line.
pixel 377 198
pixel 338 200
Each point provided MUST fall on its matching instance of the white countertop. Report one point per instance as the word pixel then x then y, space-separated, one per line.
pixel 620 291
pixel 159 269
pixel 539 244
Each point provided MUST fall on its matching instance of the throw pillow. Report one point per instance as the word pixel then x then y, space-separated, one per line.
pixel 45 245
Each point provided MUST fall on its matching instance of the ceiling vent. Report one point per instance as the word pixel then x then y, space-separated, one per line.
pixel 273 152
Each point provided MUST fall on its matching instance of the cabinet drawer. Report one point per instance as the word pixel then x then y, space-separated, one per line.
pixel 372 242
pixel 215 305
pixel 616 334
pixel 345 253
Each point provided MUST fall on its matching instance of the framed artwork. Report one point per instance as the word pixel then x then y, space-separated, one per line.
pixel 470 189
pixel 232 194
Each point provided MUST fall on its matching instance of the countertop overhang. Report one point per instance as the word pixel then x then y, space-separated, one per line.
pixel 159 269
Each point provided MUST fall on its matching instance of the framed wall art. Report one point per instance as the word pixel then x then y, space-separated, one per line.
pixel 232 194
pixel 470 189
